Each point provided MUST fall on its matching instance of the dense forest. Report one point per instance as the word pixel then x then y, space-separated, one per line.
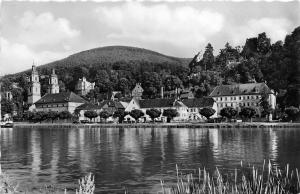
pixel 120 68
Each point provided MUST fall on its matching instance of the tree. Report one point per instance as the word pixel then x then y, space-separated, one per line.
pixel 291 112
pixel 39 116
pixel 207 112
pixel 170 114
pixel 208 57
pixel 104 114
pixel 52 115
pixel 153 113
pixel 65 115
pixel 136 114
pixel 91 114
pixel 120 114
pixel 265 105
pixel 228 112
pixel 248 112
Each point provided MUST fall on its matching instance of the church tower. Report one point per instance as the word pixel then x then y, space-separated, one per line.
pixel 34 90
pixel 53 83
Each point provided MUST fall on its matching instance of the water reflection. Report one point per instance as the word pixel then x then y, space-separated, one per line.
pixel 137 158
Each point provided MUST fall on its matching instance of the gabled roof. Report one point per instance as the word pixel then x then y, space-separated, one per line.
pixel 199 102
pixel 111 103
pixel 157 103
pixel 88 106
pixel 60 98
pixel 241 89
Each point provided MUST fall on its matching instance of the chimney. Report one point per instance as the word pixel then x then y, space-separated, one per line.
pixel 162 92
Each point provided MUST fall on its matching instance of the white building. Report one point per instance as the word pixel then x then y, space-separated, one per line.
pixel 242 95
pixel 83 86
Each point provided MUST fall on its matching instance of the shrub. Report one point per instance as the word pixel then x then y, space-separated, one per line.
pixel 65 115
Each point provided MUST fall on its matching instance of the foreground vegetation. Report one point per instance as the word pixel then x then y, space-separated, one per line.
pixel 269 180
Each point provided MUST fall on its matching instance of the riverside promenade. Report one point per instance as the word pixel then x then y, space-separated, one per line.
pixel 161 125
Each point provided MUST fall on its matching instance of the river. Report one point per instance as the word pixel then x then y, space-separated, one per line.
pixel 137 158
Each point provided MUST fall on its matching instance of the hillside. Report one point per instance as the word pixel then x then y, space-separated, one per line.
pixel 113 54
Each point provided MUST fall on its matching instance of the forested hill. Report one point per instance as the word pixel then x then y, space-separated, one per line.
pixel 113 54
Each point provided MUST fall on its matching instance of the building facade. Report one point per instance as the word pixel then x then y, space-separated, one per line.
pixel 83 86
pixel 137 91
pixel 34 90
pixel 243 95
pixel 58 102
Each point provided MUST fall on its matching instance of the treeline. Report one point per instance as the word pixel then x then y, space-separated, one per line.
pixel 258 60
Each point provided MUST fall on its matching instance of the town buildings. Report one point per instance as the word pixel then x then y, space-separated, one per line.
pixel 83 86
pixel 64 101
pixel 243 95
pixel 53 100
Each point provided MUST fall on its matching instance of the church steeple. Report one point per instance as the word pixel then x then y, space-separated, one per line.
pixel 34 90
pixel 53 83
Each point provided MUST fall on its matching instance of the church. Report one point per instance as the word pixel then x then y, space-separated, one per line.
pixel 53 100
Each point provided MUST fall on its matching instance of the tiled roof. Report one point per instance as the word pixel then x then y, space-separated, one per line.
pixel 60 98
pixel 112 103
pixel 88 106
pixel 240 89
pixel 199 102
pixel 156 103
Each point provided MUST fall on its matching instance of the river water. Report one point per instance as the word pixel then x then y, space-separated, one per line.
pixel 137 159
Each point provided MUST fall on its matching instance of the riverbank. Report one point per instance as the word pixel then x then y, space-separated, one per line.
pixel 160 125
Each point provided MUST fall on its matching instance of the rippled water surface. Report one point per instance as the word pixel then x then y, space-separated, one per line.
pixel 137 158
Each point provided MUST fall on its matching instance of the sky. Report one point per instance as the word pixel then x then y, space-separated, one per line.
pixel 41 31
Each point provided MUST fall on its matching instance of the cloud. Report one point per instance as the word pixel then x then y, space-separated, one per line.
pixel 275 28
pixel 180 26
pixel 44 29
pixel 17 57
pixel 37 34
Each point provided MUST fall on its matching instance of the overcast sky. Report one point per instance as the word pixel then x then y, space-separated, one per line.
pixel 48 31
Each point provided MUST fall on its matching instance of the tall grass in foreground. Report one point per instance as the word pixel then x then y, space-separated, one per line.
pixel 270 180
pixel 7 186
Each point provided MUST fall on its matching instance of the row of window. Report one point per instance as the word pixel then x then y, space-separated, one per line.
pixel 237 98
pixel 240 104
pixel 53 105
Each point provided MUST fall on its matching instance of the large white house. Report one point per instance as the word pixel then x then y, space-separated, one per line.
pixel 83 86
pixel 242 95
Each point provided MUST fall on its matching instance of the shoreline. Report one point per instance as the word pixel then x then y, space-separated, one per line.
pixel 160 125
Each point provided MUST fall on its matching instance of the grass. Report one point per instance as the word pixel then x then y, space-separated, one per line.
pixel 86 185
pixel 269 180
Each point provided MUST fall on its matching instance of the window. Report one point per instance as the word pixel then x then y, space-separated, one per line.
pixel 248 97
pixel 240 98
pixel 221 98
